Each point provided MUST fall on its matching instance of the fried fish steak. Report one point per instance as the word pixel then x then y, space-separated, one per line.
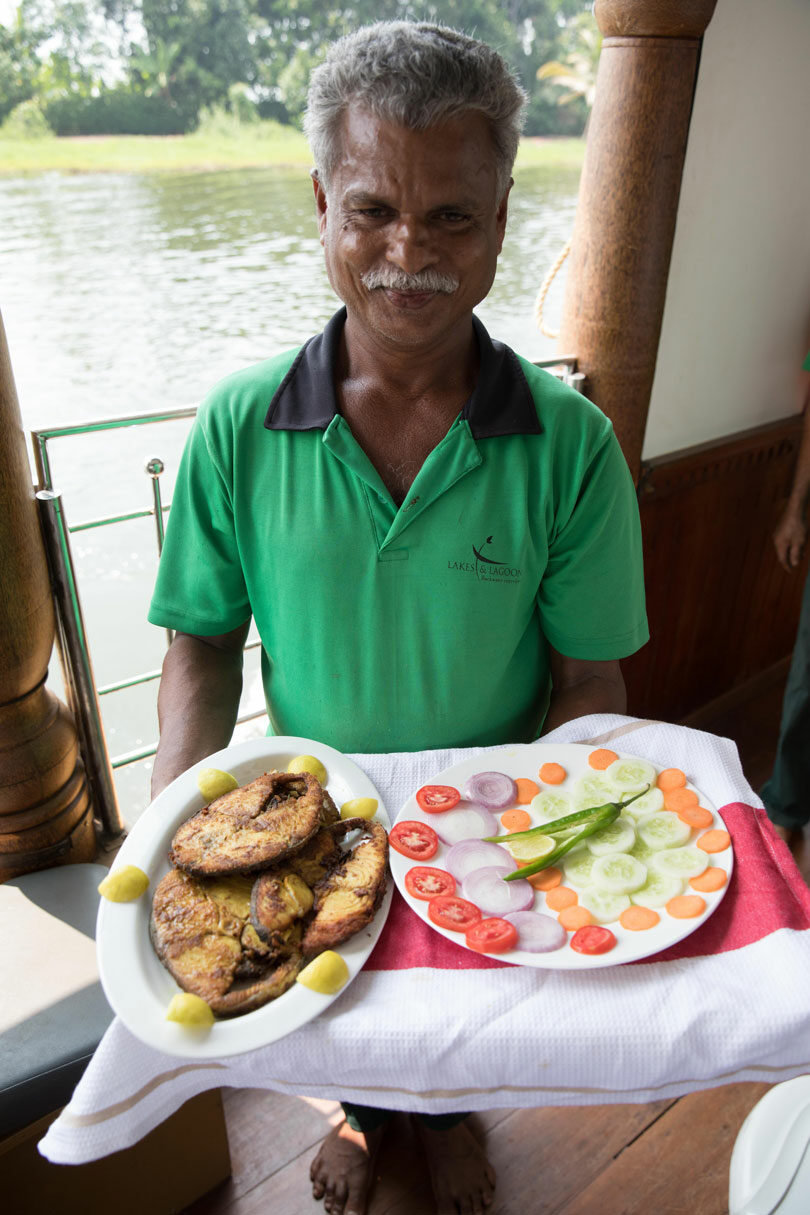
pixel 348 895
pixel 202 933
pixel 283 895
pixel 252 827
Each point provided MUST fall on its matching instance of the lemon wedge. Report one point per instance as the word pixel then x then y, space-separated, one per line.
pixel 308 763
pixel 212 783
pixel 534 849
pixel 359 807
pixel 327 973
pixel 189 1010
pixel 124 885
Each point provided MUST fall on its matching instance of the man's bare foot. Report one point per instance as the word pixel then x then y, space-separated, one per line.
pixel 463 1179
pixel 343 1170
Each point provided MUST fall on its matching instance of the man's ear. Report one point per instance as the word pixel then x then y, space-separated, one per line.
pixel 502 212
pixel 320 203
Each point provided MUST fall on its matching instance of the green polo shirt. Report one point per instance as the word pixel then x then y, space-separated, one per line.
pixel 423 626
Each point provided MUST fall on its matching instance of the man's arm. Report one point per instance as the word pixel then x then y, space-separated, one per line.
pixel 198 700
pixel 580 686
pixel 790 536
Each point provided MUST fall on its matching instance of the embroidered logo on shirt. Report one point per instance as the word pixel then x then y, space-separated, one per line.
pixel 485 568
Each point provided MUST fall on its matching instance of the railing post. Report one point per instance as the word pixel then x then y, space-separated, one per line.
pixel 628 202
pixel 76 662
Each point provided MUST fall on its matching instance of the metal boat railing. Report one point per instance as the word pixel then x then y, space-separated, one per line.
pixel 82 693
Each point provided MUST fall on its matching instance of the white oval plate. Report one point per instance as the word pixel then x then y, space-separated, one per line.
pixel 525 760
pixel 136 983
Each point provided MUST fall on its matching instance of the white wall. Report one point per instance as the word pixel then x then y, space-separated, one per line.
pixel 737 316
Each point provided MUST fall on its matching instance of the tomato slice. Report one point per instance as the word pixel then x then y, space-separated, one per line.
pixel 414 839
pixel 449 911
pixel 435 798
pixel 493 935
pixel 593 939
pixel 424 882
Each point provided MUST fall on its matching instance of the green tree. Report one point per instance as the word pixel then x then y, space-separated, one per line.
pixel 19 65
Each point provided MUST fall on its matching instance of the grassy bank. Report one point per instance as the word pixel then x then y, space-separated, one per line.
pixel 209 150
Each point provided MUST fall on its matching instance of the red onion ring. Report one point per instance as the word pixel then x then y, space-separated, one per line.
pixel 495 790
pixel 537 933
pixel 487 889
pixel 466 822
pixel 469 855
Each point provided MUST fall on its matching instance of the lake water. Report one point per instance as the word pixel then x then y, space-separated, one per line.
pixel 126 294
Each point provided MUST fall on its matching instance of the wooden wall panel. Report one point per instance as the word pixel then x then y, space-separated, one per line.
pixel 721 608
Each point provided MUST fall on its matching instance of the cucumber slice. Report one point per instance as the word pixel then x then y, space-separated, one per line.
pixel 618 837
pixel 664 830
pixel 604 905
pixel 649 803
pixel 596 784
pixel 577 866
pixel 684 862
pixel 618 873
pixel 657 890
pixel 641 851
pixel 551 805
pixel 629 775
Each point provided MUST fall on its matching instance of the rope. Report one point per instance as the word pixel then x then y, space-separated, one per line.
pixel 543 292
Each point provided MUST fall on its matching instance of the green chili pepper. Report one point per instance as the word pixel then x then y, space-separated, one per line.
pixel 594 819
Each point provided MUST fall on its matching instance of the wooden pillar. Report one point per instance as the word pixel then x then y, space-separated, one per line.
pixel 45 814
pixel 628 201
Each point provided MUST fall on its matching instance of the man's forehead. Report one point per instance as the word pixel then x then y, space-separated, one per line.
pixel 460 148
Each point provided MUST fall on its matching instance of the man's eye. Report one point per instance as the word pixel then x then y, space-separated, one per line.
pixel 371 212
pixel 453 217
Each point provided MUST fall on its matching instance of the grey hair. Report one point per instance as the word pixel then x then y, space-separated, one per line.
pixel 417 75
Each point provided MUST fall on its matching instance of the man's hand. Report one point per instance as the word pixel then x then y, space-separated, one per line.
pixel 198 700
pixel 579 687
pixel 790 537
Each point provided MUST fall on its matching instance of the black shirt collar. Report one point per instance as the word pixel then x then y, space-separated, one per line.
pixel 501 402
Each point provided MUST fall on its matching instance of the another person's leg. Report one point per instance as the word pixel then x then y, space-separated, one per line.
pixel 786 793
pixel 343 1170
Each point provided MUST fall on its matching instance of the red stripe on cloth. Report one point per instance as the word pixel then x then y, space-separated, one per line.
pixel 766 893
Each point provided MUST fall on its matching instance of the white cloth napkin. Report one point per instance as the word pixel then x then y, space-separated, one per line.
pixel 473 1039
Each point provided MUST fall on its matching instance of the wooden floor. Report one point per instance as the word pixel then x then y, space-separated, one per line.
pixel 668 1158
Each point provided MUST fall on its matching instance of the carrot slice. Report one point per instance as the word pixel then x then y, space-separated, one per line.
pixel 671 778
pixel 573 918
pixel 602 758
pixel 685 906
pixel 713 878
pixel 696 816
pixel 546 879
pixel 516 820
pixel 552 774
pixel 526 790
pixel 636 919
pixel 561 897
pixel 679 799
pixel 714 841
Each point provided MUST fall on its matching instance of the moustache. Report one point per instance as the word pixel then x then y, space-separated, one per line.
pixel 398 280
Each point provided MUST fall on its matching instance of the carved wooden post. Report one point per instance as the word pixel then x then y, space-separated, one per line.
pixel 628 201
pixel 45 813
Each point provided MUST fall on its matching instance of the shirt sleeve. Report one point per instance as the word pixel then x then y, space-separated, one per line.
pixel 591 599
pixel 200 585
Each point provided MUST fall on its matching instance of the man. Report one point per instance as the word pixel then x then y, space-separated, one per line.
pixel 786 794
pixel 439 542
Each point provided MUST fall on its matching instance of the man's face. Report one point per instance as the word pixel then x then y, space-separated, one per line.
pixel 412 203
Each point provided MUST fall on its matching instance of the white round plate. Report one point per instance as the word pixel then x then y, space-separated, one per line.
pixel 525 760
pixel 136 983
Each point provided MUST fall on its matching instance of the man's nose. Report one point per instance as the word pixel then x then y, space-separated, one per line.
pixel 410 245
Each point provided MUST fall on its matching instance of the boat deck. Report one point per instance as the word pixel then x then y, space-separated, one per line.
pixel 667 1158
